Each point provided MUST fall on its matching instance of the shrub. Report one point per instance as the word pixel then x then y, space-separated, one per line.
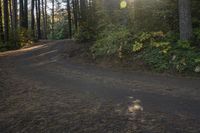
pixel 112 41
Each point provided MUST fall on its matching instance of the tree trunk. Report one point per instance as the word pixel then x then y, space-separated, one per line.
pixel 75 12
pixel 185 21
pixel 69 19
pixel 21 3
pixel 45 11
pixel 32 17
pixel 52 32
pixel 38 19
pixel 11 17
pixel 1 24
pixel 26 14
pixel 14 6
pixel 44 20
pixel 6 21
pixel 83 8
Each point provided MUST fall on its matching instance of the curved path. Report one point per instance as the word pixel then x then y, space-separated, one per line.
pixel 41 91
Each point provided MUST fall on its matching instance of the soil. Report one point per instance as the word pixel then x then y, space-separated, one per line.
pixel 47 88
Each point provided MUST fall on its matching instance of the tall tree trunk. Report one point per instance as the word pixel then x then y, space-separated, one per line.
pixel 21 3
pixel 38 19
pixel 83 10
pixel 69 19
pixel 6 21
pixel 45 11
pixel 75 14
pixel 185 21
pixel 14 6
pixel 32 18
pixel 44 20
pixel 26 14
pixel 11 18
pixel 52 30
pixel 1 24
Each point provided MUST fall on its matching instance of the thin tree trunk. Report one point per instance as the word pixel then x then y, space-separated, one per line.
pixel 26 14
pixel 6 21
pixel 45 11
pixel 1 24
pixel 69 19
pixel 15 32
pixel 32 17
pixel 185 19
pixel 44 19
pixel 38 19
pixel 21 3
pixel 75 12
pixel 11 16
pixel 52 32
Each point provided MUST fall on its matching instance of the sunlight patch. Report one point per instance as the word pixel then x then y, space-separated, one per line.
pixel 123 4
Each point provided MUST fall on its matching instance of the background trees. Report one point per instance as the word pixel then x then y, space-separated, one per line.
pixel 86 19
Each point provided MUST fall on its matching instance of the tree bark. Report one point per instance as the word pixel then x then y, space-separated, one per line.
pixel 26 14
pixel 185 19
pixel 21 3
pixel 52 25
pixel 11 18
pixel 75 14
pixel 45 11
pixel 44 20
pixel 14 6
pixel 69 19
pixel 38 19
pixel 1 24
pixel 6 21
pixel 32 17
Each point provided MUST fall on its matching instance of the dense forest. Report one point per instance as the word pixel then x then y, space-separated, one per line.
pixel 164 34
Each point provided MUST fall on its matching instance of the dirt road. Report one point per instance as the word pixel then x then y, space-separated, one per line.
pixel 43 92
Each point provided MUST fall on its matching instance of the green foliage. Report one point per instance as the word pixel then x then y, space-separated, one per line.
pixel 112 41
pixel 184 44
pixel 85 34
pixel 137 46
pixel 184 60
pixel 162 54
pixel 197 36
pixel 155 58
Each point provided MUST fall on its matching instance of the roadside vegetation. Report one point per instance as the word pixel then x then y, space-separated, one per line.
pixel 145 31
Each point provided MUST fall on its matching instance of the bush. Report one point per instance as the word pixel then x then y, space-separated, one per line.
pixel 86 33
pixel 155 49
pixel 112 41
pixel 161 54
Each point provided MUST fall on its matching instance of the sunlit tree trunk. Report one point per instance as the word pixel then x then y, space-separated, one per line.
pixel 11 19
pixel 185 19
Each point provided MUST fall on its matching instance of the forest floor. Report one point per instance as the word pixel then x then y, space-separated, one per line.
pixel 43 89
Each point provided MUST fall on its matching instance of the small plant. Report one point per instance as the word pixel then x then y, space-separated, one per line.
pixel 137 46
